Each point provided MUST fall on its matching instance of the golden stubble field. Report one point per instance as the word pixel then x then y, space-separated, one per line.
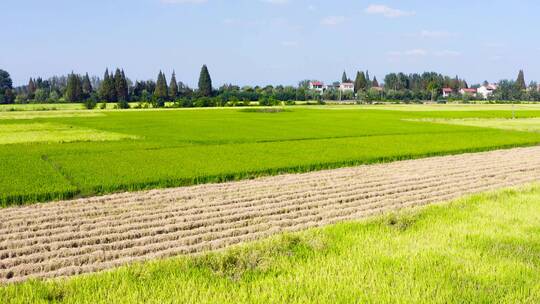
pixel 87 235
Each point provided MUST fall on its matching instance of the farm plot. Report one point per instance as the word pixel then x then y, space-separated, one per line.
pixel 51 132
pixel 87 235
pixel 184 147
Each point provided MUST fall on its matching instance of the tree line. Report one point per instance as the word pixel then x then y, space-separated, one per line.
pixel 115 87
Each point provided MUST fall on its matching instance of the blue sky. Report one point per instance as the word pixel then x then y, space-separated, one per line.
pixel 258 42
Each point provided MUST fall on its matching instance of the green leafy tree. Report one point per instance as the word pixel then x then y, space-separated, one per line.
pixel 41 95
pixel 173 87
pixel 520 82
pixel 6 87
pixel 434 88
pixel 205 82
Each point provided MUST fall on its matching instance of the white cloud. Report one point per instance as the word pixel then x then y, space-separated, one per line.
pixel 184 1
pixel 332 20
pixel 386 11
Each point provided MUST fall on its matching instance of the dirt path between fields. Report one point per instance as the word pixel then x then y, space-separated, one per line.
pixel 87 235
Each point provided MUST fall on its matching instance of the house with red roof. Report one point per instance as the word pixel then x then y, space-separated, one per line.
pixel 317 86
pixel 468 91
pixel 446 92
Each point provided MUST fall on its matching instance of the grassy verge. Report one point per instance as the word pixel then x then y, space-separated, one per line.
pixel 480 249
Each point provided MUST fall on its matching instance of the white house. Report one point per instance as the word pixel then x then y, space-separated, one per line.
pixel 487 91
pixel 317 86
pixel 446 92
pixel 346 87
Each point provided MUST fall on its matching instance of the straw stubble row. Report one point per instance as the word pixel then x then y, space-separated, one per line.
pixel 87 235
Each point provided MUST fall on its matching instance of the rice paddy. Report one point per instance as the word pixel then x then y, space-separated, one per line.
pixel 146 149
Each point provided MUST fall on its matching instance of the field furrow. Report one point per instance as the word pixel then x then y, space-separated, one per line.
pixel 86 235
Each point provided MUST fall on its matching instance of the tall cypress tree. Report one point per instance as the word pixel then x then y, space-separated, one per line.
pixel 87 86
pixel 520 82
pixel 107 91
pixel 121 87
pixel 161 92
pixel 368 81
pixel 173 87
pixel 73 88
pixel 344 77
pixel 360 83
pixel 375 83
pixel 205 82
pixel 31 87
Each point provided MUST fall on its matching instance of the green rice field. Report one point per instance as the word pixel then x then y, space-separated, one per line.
pixel 480 249
pixel 94 152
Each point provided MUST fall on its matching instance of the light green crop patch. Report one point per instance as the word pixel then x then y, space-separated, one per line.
pixel 53 133
pixel 47 114
pixel 520 124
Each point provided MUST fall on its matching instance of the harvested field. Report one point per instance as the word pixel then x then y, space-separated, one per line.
pixel 87 235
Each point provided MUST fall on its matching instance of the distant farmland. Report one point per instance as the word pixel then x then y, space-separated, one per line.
pixel 49 155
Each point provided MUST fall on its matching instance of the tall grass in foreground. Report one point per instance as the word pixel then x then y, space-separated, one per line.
pixel 482 249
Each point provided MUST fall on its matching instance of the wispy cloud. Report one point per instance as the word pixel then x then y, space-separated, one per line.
pixel 332 20
pixel 386 11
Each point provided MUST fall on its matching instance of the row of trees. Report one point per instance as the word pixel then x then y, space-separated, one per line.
pixel 113 87
pixel 117 88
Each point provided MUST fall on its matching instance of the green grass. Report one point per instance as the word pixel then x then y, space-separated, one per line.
pixel 480 249
pixel 183 147
pixel 41 107
pixel 53 132
pixel 47 114
pixel 522 124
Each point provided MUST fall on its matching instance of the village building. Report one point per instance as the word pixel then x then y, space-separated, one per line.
pixel 346 87
pixel 446 92
pixel 317 86
pixel 468 91
pixel 487 90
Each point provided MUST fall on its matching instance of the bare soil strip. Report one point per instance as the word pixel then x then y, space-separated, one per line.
pixel 87 235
